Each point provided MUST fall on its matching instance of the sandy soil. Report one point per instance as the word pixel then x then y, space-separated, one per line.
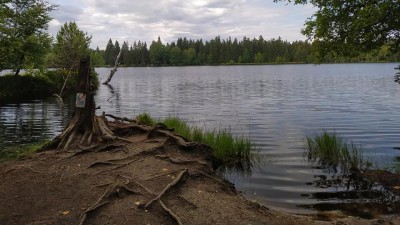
pixel 147 177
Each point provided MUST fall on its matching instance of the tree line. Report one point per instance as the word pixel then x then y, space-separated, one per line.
pixel 218 51
pixel 24 43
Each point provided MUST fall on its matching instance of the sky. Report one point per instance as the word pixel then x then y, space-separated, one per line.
pixel 146 20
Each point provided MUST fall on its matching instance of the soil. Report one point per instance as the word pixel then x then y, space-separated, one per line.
pixel 147 176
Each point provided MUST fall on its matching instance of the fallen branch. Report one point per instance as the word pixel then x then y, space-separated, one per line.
pixel 169 186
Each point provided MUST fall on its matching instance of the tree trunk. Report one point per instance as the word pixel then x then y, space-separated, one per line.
pixel 85 127
pixel 114 69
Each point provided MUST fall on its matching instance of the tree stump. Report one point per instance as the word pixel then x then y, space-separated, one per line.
pixel 84 128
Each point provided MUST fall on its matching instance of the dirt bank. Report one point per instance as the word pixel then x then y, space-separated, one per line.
pixel 146 177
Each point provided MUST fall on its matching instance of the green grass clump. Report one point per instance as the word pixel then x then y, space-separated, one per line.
pixel 18 152
pixel 229 151
pixel 332 152
pixel 145 119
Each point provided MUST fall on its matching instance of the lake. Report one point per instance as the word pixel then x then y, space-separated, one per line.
pixel 277 106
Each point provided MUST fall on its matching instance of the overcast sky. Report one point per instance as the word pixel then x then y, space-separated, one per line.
pixel 145 20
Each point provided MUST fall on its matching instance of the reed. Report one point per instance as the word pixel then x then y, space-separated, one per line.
pixel 333 152
pixel 230 151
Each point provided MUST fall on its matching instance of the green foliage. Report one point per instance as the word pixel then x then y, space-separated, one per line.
pixel 33 87
pixel 158 53
pixel 219 51
pixel 96 58
pixel 18 152
pixel 231 152
pixel 332 152
pixel 350 27
pixel 70 47
pixel 23 42
pixel 38 84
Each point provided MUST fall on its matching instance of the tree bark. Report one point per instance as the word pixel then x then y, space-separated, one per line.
pixel 85 127
pixel 114 69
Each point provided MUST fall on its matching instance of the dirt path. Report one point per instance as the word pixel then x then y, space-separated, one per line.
pixel 147 177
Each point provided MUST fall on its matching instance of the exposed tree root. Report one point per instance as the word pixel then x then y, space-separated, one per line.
pixel 21 166
pixel 169 186
pixel 179 140
pixel 122 119
pixel 137 183
pixel 173 215
pixel 104 199
pixel 180 161
pixel 99 148
pixel 161 175
pixel 212 177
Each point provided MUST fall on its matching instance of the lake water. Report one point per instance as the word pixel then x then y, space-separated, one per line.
pixel 277 106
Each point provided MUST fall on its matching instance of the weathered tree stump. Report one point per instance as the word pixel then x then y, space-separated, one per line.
pixel 84 128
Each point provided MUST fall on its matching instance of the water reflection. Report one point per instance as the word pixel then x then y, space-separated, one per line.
pixel 355 195
pixel 351 192
pixel 276 105
pixel 32 121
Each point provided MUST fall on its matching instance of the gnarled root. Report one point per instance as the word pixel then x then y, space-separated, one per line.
pixel 85 131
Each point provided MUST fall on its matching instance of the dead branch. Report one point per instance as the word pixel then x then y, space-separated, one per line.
pixel 114 69
pixel 59 96
pixel 169 186
pixel 173 215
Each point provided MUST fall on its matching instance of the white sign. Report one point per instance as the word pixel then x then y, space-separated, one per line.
pixel 80 100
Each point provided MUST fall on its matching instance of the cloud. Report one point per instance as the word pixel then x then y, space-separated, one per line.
pixel 127 20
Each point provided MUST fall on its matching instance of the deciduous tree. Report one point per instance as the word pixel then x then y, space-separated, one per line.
pixel 348 27
pixel 23 40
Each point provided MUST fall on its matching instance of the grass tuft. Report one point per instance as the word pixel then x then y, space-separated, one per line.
pixel 332 152
pixel 145 119
pixel 18 152
pixel 232 153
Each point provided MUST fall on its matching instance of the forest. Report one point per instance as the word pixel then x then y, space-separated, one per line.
pixel 219 51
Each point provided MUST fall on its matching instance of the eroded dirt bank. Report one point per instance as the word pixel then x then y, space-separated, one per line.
pixel 148 176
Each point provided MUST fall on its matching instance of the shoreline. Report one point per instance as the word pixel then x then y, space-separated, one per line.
pixel 118 182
